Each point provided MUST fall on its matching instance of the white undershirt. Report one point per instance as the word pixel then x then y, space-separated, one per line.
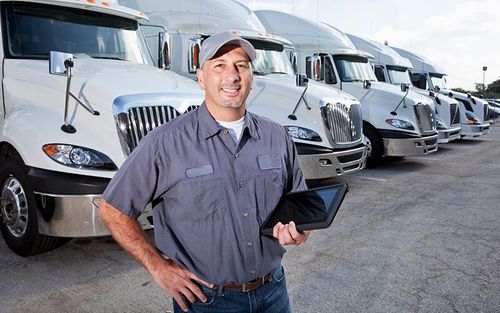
pixel 235 128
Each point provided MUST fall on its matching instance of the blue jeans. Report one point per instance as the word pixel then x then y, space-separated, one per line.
pixel 271 297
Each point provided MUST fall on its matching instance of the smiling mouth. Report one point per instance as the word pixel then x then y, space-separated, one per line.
pixel 231 90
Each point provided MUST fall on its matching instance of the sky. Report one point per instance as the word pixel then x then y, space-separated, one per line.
pixel 460 36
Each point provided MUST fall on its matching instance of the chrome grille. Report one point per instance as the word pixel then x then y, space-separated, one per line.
pixel 137 122
pixel 425 117
pixel 454 114
pixel 344 122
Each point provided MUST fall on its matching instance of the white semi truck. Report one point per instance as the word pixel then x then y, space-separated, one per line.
pixel 426 75
pixel 392 68
pixel 325 124
pixel 396 122
pixel 79 89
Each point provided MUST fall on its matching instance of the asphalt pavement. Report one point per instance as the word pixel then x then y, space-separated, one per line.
pixel 417 234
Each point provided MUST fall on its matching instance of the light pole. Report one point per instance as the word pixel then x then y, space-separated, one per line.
pixel 484 73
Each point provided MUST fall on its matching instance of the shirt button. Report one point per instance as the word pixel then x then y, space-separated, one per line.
pixel 250 244
pixel 226 131
pixel 236 155
pixel 245 214
pixel 241 184
pixel 252 272
pixel 274 178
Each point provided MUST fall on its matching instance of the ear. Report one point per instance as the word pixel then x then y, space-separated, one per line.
pixel 201 78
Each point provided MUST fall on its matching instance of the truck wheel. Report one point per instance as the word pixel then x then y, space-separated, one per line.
pixel 18 216
pixel 377 146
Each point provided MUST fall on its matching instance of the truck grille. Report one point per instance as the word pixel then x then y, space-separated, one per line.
pixel 454 114
pixel 486 112
pixel 344 122
pixel 425 117
pixel 137 122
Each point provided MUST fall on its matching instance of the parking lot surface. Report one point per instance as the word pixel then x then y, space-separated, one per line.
pixel 418 234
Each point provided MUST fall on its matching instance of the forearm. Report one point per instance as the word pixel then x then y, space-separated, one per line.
pixel 130 236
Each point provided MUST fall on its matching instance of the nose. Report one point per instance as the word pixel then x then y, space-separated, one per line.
pixel 233 73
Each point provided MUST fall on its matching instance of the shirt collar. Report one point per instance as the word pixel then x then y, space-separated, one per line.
pixel 210 127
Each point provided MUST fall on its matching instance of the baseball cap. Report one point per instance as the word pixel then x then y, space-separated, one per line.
pixel 212 44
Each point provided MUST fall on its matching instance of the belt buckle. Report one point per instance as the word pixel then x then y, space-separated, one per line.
pixel 262 281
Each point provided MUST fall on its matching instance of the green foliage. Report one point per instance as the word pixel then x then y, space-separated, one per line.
pixel 492 90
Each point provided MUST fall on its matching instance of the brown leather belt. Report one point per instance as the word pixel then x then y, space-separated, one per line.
pixel 251 285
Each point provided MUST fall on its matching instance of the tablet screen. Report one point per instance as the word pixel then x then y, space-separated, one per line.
pixel 309 209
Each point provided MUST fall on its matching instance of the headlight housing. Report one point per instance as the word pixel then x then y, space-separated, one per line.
pixel 79 157
pixel 302 133
pixel 440 123
pixel 472 119
pixel 400 124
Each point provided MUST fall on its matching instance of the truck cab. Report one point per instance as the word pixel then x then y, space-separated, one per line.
pixel 426 75
pixel 397 122
pixel 391 68
pixel 325 124
pixel 79 91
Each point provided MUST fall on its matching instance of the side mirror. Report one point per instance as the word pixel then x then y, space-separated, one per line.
pixel 57 61
pixel 194 55
pixel 163 50
pixel 316 67
pixel 404 87
pixel 293 61
pixel 301 80
pixel 367 84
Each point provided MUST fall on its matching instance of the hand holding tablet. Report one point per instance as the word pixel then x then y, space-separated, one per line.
pixel 310 209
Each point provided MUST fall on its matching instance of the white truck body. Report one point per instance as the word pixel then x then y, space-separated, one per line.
pixel 396 122
pixel 392 68
pixel 325 124
pixel 426 75
pixel 60 148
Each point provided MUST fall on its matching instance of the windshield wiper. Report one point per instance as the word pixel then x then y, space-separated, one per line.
pixel 108 58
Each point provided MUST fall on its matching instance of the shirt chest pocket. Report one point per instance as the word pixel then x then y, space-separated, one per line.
pixel 201 199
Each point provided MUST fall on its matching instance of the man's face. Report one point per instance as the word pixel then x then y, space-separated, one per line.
pixel 226 79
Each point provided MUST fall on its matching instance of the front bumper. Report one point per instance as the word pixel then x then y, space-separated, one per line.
pixel 412 146
pixel 322 163
pixel 474 130
pixel 449 134
pixel 67 204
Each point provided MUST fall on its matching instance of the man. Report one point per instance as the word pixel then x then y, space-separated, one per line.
pixel 213 176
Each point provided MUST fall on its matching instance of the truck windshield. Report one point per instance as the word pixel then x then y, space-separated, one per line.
pixel 438 80
pixel 398 75
pixel 354 68
pixel 271 58
pixel 32 30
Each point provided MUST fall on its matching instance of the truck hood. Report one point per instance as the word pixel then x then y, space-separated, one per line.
pixel 35 104
pixel 99 82
pixel 276 96
pixel 384 93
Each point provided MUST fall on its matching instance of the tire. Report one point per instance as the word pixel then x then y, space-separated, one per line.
pixel 376 143
pixel 18 214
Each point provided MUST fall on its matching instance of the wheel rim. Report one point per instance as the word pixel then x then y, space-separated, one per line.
pixel 14 207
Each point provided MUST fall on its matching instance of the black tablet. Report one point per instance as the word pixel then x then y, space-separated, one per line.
pixel 310 209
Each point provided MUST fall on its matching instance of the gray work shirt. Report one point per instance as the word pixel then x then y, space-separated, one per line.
pixel 209 196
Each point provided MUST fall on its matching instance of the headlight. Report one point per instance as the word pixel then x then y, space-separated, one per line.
pixel 472 119
pixel 440 123
pixel 302 133
pixel 79 157
pixel 400 124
